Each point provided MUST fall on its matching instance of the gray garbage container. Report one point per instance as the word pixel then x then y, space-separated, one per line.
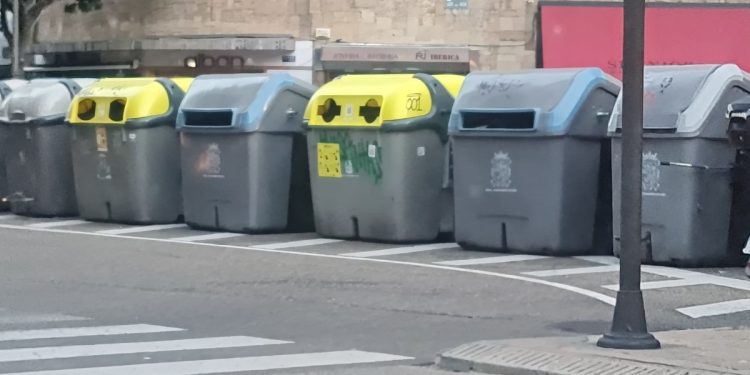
pixel 126 152
pixel 244 153
pixel 379 149
pixel 738 133
pixel 687 159
pixel 37 159
pixel 6 87
pixel 530 161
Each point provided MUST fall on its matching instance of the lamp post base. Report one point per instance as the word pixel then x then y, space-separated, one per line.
pixel 629 324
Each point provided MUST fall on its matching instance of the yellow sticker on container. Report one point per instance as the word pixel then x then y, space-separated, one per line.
pixel 101 139
pixel 329 160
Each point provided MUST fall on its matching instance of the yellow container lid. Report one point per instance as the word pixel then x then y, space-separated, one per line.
pixel 118 101
pixel 371 100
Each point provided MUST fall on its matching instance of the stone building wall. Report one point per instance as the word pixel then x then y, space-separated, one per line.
pixel 502 30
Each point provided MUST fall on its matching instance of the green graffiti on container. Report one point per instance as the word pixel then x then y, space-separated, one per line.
pixel 357 153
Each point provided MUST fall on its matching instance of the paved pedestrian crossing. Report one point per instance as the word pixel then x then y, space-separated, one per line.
pixel 31 351
pixel 574 271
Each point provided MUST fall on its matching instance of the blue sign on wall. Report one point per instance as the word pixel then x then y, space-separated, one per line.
pixel 456 4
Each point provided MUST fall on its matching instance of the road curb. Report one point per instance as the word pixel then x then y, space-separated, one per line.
pixel 519 357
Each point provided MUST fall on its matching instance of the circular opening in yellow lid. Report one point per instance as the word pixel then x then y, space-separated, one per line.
pixel 117 110
pixel 370 111
pixel 329 110
pixel 86 109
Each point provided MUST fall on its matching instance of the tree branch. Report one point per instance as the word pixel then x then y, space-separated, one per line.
pixel 7 33
pixel 33 8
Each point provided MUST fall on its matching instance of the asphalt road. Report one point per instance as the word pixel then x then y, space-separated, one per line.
pixel 200 302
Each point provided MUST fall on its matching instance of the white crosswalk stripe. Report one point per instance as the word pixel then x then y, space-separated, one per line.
pixel 73 356
pixel 300 243
pixel 76 351
pixel 206 237
pixel 216 366
pixel 491 260
pixel 663 284
pixel 55 224
pixel 402 250
pixel 714 309
pixel 142 229
pixel 55 333
pixel 15 317
pixel 573 271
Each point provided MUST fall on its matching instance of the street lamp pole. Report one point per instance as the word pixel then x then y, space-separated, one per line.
pixel 629 330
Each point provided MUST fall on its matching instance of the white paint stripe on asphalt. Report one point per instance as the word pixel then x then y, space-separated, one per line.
pixel 714 309
pixel 573 271
pixel 663 284
pixel 6 216
pixel 141 229
pixel 216 366
pixel 300 243
pixel 570 288
pixel 600 259
pixel 206 237
pixel 15 317
pixel 678 273
pixel 401 250
pixel 77 351
pixel 55 224
pixel 56 333
pixel 491 260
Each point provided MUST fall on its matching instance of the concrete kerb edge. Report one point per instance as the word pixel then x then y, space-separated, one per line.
pixel 460 360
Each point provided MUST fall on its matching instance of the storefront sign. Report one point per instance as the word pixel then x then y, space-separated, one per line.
pixel 394 53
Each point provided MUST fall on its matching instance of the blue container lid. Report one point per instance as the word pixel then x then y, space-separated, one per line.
pixel 241 103
pixel 542 101
pixel 679 99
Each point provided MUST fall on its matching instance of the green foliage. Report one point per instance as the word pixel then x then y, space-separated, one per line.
pixel 83 6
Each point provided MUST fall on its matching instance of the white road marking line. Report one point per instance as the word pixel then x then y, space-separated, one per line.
pixel 713 309
pixel 600 259
pixel 206 237
pixel 56 333
pixel 141 229
pixel 55 224
pixel 18 317
pixel 6 216
pixel 649 285
pixel 401 250
pixel 674 273
pixel 216 366
pixel 301 243
pixel 77 351
pixel 570 288
pixel 491 260
pixel 677 273
pixel 573 271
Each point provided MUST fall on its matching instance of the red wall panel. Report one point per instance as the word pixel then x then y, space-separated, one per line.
pixel 591 35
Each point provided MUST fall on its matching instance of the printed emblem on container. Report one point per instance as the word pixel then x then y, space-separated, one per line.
pixel 101 139
pixel 501 173
pixel 103 170
pixel 210 162
pixel 651 174
pixel 348 167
